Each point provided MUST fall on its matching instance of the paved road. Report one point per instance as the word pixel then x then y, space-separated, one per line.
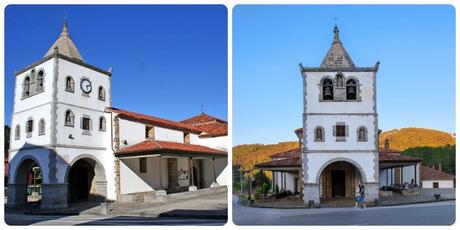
pixel 441 213
pixel 19 219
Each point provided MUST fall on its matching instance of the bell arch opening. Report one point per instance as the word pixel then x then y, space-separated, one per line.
pixel 86 180
pixel 339 180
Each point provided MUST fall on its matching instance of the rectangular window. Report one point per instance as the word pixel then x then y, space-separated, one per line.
pixel 86 123
pixel 30 124
pixel 186 138
pixel 435 184
pixel 149 132
pixel 143 165
pixel 340 130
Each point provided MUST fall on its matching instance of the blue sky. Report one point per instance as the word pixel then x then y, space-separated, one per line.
pixel 167 60
pixel 415 45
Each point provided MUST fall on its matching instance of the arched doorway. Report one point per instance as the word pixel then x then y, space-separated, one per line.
pixel 339 180
pixel 27 184
pixel 86 180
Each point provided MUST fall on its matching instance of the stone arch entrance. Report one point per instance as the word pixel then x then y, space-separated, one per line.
pixel 339 180
pixel 26 186
pixel 86 180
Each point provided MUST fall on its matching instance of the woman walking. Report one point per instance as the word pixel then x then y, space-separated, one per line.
pixel 360 195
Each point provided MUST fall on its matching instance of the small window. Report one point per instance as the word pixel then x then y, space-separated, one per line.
pixel 319 134
pixel 327 89
pixel 340 130
pixel 149 132
pixel 102 124
pixel 69 84
pixel 435 184
pixel 69 118
pixel 101 94
pixel 86 123
pixel 26 87
pixel 41 127
pixel 362 134
pixel 29 127
pixel 39 84
pixel 143 165
pixel 186 138
pixel 17 132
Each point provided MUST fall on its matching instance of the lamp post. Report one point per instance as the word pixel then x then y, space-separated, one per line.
pixel 241 180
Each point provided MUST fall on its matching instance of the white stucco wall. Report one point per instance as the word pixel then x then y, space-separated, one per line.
pixel 163 134
pixel 442 183
pixel 132 181
pixel 363 160
pixel 365 85
pixel 132 132
pixel 212 142
pixel 352 121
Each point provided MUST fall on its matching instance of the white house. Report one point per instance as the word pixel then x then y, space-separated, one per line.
pixel 64 123
pixel 432 178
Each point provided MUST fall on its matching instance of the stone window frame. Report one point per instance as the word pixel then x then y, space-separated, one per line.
pixel 41 127
pixel 40 77
pixel 69 87
pixel 17 132
pixel 29 127
pixel 102 124
pixel 365 134
pixel 340 138
pixel 26 87
pixel 100 96
pixel 33 83
pixel 69 118
pixel 323 136
pixel 358 88
pixel 321 88
pixel 90 125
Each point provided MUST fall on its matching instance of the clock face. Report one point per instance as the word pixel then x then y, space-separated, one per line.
pixel 86 86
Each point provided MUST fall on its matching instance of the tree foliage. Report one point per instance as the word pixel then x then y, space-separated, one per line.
pixel 432 156
pixel 402 139
pixel 249 155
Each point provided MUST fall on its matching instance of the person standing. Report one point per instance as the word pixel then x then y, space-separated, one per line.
pixel 361 196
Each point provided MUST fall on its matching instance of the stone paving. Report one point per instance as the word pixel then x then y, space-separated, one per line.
pixel 426 195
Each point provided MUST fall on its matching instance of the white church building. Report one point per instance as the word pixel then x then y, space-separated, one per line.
pixel 339 137
pixel 63 122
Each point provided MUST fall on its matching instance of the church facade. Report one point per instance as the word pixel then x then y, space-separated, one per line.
pixel 63 123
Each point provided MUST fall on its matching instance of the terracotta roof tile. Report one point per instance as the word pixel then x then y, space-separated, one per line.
pixel 202 118
pixel 156 146
pixel 147 119
pixel 211 126
pixel 433 174
pixel 385 156
pixel 289 162
pixel 286 154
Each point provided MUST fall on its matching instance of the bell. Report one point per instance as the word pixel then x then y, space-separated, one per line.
pixel 351 89
pixel 327 91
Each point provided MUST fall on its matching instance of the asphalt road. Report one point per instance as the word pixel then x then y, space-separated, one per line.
pixel 441 213
pixel 20 219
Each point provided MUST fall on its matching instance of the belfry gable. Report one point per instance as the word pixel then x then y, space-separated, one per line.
pixel 337 56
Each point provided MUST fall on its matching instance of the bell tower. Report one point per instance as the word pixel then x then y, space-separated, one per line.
pixel 340 134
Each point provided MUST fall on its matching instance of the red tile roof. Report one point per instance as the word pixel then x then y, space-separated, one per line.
pixel 149 146
pixel 214 129
pixel 202 118
pixel 289 162
pixel 211 126
pixel 386 156
pixel 433 174
pixel 151 120
pixel 287 154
